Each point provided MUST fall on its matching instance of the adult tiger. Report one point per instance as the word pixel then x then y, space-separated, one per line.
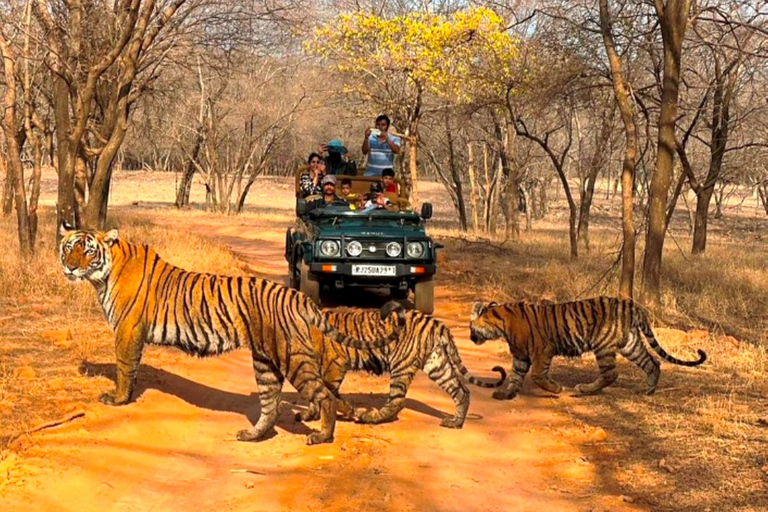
pixel 425 343
pixel 536 333
pixel 146 300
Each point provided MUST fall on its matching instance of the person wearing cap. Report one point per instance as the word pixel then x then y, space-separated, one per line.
pixel 335 160
pixel 329 197
pixel 381 147
pixel 377 199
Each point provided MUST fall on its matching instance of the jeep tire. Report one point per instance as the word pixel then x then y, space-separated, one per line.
pixel 424 296
pixel 307 285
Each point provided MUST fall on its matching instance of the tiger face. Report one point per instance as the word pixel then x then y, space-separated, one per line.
pixel 85 254
pixel 485 323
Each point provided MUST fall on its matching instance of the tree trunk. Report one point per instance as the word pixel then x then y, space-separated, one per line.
pixel 473 186
pixel 505 135
pixel 762 191
pixel 721 102
pixel 185 187
pixel 627 277
pixel 413 172
pixel 65 201
pixel 529 207
pixel 673 18
pixel 7 200
pixel 15 167
pixel 595 165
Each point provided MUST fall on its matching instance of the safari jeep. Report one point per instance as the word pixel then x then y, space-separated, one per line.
pixel 338 248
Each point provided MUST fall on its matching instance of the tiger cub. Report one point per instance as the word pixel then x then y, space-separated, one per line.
pixel 425 343
pixel 536 333
pixel 146 300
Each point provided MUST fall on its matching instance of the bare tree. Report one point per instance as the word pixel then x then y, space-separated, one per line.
pixel 673 20
pixel 621 91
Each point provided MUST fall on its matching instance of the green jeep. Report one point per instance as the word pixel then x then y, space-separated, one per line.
pixel 337 248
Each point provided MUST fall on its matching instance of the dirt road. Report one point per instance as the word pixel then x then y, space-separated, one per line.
pixel 173 448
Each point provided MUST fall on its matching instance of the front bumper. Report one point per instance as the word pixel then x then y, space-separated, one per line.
pixel 342 271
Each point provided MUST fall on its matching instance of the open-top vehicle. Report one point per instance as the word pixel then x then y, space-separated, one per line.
pixel 338 248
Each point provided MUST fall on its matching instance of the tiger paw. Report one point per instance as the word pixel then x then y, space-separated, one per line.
pixel 452 422
pixel 503 395
pixel 308 415
pixel 109 399
pixel 251 434
pixel 363 416
pixel 581 390
pixel 318 438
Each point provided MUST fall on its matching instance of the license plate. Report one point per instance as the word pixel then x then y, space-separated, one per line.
pixel 373 270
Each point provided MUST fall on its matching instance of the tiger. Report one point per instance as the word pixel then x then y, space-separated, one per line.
pixel 537 333
pixel 146 300
pixel 425 343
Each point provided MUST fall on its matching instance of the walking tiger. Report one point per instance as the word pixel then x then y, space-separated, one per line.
pixel 537 333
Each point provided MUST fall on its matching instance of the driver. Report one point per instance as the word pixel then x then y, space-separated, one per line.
pixel 329 197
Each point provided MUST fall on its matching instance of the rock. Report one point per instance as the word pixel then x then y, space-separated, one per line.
pixel 665 466
pixel 598 435
pixel 25 373
pixel 249 485
pixel 60 337
pixel 627 499
pixel 764 469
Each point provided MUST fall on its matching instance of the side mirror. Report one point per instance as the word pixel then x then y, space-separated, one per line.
pixel 426 211
pixel 301 207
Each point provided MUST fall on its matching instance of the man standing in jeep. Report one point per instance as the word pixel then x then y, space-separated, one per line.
pixel 381 147
pixel 329 195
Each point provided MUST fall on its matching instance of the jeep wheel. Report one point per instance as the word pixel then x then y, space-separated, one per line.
pixel 424 296
pixel 307 285
pixel 295 270
pixel 397 293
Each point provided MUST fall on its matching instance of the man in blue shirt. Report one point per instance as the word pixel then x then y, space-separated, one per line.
pixel 381 147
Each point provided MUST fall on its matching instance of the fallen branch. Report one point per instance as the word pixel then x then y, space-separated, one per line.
pixel 48 424
pixel 240 470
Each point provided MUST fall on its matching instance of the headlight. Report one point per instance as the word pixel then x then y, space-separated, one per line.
pixel 415 249
pixel 394 249
pixel 354 248
pixel 329 248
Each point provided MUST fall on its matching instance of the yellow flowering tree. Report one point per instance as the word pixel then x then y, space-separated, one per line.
pixel 398 64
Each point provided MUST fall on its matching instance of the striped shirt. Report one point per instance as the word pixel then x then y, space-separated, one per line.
pixel 380 156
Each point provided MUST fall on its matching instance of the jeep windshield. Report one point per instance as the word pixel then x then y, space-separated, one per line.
pixel 343 215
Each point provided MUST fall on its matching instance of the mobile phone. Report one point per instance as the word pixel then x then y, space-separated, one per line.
pixel 375 132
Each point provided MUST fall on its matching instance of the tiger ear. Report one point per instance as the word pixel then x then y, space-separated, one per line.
pixel 110 236
pixel 477 310
pixel 65 228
